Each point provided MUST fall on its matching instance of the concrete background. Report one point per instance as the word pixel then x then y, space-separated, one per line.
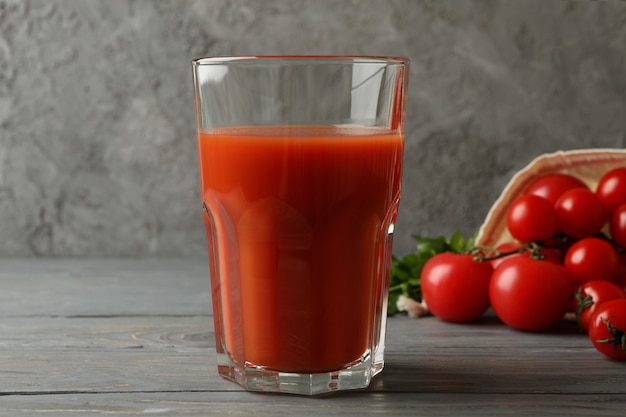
pixel 97 139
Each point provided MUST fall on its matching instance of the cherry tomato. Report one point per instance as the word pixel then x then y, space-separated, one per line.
pixel 607 327
pixel 551 186
pixel 612 189
pixel 620 280
pixel 455 287
pixel 617 226
pixel 592 294
pixel 549 254
pixel 592 258
pixel 531 218
pixel 580 213
pixel 530 294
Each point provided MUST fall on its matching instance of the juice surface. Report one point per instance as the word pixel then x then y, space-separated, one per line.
pixel 297 218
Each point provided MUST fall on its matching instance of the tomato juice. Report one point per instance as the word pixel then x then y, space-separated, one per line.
pixel 298 221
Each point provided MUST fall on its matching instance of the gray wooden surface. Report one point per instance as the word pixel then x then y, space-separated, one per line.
pixel 134 337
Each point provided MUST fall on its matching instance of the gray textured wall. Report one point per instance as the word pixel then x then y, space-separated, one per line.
pixel 97 141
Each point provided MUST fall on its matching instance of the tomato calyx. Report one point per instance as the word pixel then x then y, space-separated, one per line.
pixel 583 301
pixel 617 339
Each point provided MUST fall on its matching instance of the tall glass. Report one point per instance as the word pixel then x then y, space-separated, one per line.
pixel 300 167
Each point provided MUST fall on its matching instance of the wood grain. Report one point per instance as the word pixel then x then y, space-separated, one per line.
pixel 130 337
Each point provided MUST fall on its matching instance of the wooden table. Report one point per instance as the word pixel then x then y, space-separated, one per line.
pixel 134 337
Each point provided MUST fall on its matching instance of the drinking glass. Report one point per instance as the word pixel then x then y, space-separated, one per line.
pixel 300 161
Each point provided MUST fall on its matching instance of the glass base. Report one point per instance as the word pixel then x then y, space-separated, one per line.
pixel 254 378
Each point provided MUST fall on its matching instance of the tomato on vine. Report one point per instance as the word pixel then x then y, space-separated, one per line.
pixel 607 329
pixel 620 280
pixel 580 213
pixel 455 287
pixel 552 186
pixel 612 189
pixel 617 226
pixel 590 259
pixel 530 294
pixel 591 295
pixel 531 218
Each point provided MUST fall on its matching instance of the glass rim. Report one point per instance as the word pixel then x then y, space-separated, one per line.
pixel 294 59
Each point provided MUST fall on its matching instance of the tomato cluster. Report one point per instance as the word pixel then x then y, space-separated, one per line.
pixel 568 255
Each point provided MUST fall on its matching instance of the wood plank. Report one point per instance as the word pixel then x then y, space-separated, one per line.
pixel 89 287
pixel 207 404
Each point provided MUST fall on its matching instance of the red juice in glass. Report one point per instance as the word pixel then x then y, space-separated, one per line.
pixel 301 216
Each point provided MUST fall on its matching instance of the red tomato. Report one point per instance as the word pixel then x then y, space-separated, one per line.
pixel 607 327
pixel 549 254
pixel 530 294
pixel 620 280
pixel 590 259
pixel 612 189
pixel 455 287
pixel 580 213
pixel 592 294
pixel 531 218
pixel 617 226
pixel 551 186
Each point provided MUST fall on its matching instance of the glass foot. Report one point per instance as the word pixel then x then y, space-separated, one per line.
pixel 253 378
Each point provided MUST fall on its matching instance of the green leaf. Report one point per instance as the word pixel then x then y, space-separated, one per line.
pixel 457 242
